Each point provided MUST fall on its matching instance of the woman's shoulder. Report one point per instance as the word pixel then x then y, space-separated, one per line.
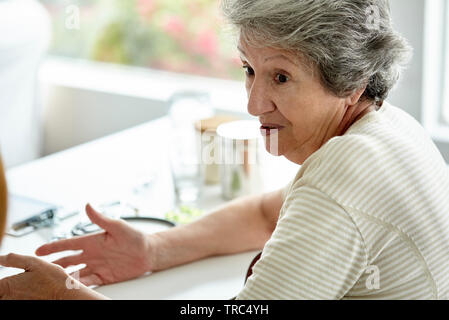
pixel 364 149
pixel 346 154
pixel 378 136
pixel 371 153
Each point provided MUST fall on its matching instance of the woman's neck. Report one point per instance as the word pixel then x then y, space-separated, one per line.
pixel 355 113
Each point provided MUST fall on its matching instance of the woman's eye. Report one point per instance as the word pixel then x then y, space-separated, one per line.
pixel 280 78
pixel 249 71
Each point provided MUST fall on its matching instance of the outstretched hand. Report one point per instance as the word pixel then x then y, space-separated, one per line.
pixel 118 253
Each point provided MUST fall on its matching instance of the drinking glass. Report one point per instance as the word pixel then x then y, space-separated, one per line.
pixel 186 108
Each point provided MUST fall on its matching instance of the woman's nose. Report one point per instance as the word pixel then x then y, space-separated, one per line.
pixel 259 101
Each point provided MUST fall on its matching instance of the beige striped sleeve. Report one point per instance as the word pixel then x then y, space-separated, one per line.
pixel 315 252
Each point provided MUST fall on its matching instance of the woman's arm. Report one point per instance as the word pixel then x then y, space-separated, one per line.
pixel 122 252
pixel 242 225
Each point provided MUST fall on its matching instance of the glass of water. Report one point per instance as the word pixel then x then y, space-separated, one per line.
pixel 186 108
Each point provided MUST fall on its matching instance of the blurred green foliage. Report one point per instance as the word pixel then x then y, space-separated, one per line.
pixel 184 214
pixel 185 36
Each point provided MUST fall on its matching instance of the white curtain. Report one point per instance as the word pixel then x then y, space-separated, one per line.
pixel 24 38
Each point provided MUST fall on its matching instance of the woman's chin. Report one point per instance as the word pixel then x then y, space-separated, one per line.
pixel 273 149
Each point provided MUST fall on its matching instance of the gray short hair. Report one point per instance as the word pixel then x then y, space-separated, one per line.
pixel 351 42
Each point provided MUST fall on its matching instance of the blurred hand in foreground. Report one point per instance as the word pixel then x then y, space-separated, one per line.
pixel 41 281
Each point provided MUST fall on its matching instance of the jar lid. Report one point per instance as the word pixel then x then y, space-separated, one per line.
pixel 211 124
pixel 240 130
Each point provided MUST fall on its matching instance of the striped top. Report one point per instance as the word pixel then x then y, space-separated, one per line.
pixel 366 217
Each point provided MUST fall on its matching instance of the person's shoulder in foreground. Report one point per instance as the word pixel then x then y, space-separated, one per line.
pixel 367 217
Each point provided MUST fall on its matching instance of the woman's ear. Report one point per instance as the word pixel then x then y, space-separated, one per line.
pixel 354 97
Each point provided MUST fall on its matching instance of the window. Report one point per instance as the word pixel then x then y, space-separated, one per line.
pixel 184 36
pixel 436 70
pixel 446 64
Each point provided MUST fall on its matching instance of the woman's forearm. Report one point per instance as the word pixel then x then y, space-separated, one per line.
pixel 242 225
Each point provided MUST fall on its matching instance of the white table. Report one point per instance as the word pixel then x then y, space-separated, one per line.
pixel 107 169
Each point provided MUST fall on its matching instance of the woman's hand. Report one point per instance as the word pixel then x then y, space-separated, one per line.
pixel 119 253
pixel 41 280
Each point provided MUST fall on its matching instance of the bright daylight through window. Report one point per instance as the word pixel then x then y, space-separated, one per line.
pixel 446 63
pixel 184 36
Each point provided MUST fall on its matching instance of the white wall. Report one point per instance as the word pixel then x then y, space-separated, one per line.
pixel 75 115
pixel 86 100
pixel 24 37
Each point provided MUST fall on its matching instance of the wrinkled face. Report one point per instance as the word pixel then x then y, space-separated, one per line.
pixel 298 115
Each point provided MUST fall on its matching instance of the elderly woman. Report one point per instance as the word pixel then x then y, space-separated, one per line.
pixel 367 215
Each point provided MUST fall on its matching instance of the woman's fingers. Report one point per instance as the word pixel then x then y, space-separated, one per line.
pixel 14 260
pixel 87 277
pixel 91 280
pixel 81 242
pixel 76 243
pixel 99 219
pixel 72 260
pixel 81 273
